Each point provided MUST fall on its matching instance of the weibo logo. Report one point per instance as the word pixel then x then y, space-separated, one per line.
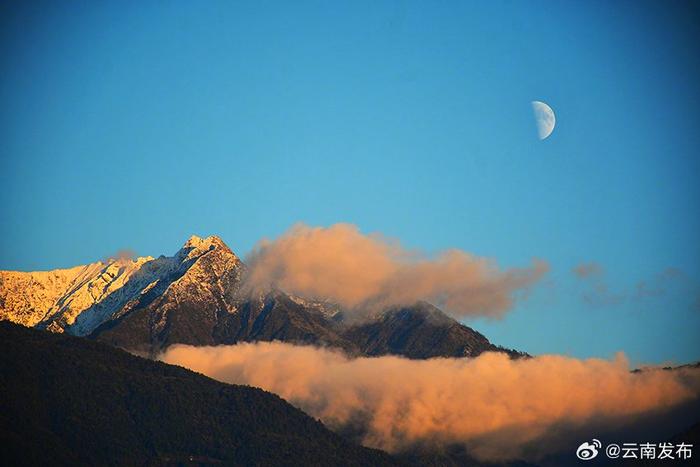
pixel 588 451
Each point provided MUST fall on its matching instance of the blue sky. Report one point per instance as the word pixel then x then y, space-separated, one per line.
pixel 136 124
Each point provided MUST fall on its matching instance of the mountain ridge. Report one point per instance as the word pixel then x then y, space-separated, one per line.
pixel 197 297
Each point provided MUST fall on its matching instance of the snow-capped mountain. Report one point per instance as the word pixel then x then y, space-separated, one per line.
pixel 61 296
pixel 196 297
pixel 79 299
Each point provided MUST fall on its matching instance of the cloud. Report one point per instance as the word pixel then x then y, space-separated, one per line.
pixel 361 271
pixel 660 283
pixel 496 407
pixel 601 295
pixel 598 292
pixel 124 254
pixel 673 283
pixel 670 281
pixel 585 270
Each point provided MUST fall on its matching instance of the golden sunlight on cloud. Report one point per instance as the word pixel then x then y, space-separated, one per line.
pixel 370 271
pixel 491 404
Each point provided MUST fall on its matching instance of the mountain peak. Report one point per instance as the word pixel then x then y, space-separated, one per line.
pixel 197 246
pixel 199 243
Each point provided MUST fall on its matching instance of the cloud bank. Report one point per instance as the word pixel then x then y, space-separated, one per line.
pixel 362 271
pixel 494 406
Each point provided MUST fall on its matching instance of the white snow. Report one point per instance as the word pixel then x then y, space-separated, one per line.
pixel 79 299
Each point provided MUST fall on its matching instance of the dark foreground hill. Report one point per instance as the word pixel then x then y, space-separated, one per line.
pixel 71 401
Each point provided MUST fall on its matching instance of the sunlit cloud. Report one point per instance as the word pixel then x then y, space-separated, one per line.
pixel 362 271
pixel 493 405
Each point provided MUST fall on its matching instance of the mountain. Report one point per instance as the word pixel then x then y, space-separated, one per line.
pixel 71 401
pixel 419 331
pixel 79 299
pixel 196 297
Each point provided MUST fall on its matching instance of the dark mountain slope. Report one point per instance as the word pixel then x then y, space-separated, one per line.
pixel 184 310
pixel 70 401
pixel 276 316
pixel 420 331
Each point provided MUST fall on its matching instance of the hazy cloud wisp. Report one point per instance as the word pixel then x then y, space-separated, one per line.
pixel 670 281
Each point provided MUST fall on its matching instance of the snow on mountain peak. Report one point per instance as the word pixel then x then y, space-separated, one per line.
pixel 199 243
pixel 80 299
pixel 193 242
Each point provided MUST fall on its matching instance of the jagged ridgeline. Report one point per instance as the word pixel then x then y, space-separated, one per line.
pixel 196 297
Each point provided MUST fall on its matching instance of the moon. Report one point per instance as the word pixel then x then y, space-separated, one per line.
pixel 544 117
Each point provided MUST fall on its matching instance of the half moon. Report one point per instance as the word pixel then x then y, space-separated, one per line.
pixel 544 117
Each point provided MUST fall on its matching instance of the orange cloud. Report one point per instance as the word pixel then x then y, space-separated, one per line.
pixel 585 270
pixel 357 270
pixel 492 405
